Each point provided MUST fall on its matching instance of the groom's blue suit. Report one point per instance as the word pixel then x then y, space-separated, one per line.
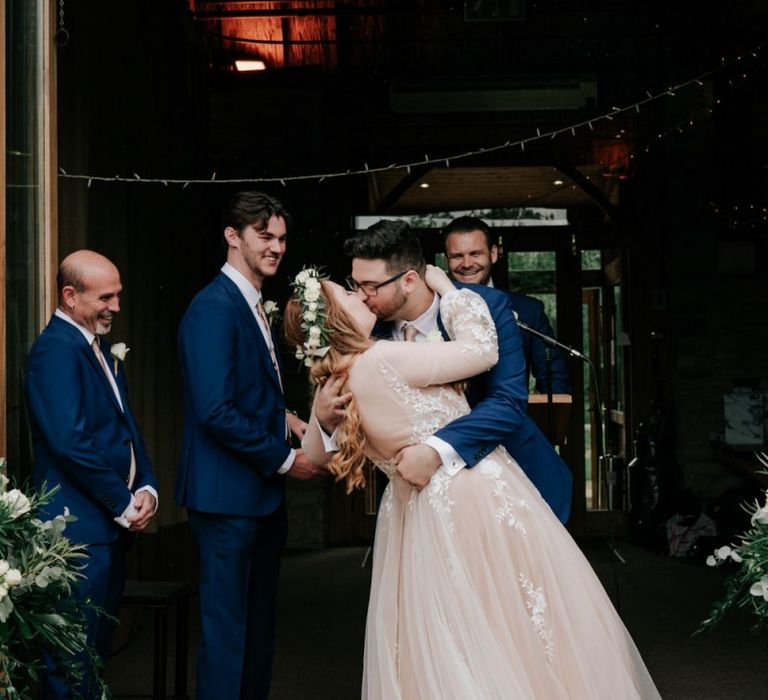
pixel 234 444
pixel 499 400
pixel 82 441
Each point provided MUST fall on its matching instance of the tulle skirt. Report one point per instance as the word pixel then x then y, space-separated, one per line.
pixel 479 593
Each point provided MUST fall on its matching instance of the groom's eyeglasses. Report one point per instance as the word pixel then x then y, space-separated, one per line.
pixel 370 289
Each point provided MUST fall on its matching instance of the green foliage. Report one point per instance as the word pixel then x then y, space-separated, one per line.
pixel 39 567
pixel 747 587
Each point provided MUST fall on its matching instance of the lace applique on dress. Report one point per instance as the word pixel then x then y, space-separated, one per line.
pixel 537 605
pixel 430 411
pixel 464 304
pixel 438 493
pixel 510 505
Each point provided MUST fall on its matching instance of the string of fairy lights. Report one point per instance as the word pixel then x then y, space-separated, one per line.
pixel 446 161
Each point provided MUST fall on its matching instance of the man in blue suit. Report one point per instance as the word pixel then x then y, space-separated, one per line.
pixel 471 253
pixel 235 453
pixel 388 272
pixel 87 442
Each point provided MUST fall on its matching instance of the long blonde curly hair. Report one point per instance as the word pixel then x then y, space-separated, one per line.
pixel 346 343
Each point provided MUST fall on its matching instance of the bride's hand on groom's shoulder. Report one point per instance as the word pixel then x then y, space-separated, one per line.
pixel 417 464
pixel 437 280
pixel 331 404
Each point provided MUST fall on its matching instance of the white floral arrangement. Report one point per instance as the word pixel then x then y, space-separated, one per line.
pixel 747 587
pixel 306 289
pixel 39 567
pixel 118 352
pixel 435 336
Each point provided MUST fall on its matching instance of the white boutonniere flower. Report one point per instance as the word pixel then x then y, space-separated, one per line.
pixel 272 311
pixel 118 352
pixel 435 336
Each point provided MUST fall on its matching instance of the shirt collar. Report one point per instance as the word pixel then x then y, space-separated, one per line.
pixel 425 323
pixel 489 283
pixel 88 335
pixel 251 294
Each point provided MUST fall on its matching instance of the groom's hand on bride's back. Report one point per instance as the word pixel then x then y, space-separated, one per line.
pixel 331 404
pixel 303 469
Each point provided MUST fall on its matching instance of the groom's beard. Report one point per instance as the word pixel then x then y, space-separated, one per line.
pixel 390 311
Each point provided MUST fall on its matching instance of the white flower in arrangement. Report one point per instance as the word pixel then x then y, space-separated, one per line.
pixel 314 332
pixel 312 343
pixel 312 306
pixel 3 482
pixel 4 567
pixel 435 336
pixel 312 294
pixel 761 515
pixel 299 354
pixel 313 283
pixel 17 503
pixel 118 352
pixel 12 577
pixel 310 316
pixel 760 588
pixel 302 277
pixel 307 361
pixel 723 554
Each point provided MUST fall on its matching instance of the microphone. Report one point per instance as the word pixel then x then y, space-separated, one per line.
pixel 549 339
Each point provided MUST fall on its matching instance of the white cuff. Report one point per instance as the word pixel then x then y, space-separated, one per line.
pixel 452 463
pixel 329 441
pixel 122 519
pixel 285 467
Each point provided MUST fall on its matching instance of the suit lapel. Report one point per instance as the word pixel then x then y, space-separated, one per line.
pixel 78 338
pixel 251 324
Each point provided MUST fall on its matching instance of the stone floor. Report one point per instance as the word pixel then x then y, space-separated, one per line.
pixel 322 615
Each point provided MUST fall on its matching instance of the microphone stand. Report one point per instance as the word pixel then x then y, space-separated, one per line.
pixel 601 457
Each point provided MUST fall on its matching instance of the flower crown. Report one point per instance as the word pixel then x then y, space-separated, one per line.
pixel 306 289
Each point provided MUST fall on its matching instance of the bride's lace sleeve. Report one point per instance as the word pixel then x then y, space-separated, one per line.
pixel 473 347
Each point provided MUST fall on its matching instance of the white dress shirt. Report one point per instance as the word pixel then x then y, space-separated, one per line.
pixel 253 297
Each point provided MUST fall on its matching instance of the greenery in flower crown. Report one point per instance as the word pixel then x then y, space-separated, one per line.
pixel 306 289
pixel 747 587
pixel 39 567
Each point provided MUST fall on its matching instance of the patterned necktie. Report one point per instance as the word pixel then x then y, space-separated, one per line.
pixel 100 357
pixel 410 332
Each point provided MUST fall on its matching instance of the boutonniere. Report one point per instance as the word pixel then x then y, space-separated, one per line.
pixel 272 310
pixel 118 352
pixel 435 336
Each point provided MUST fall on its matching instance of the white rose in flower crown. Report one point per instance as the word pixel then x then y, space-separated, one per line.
pixel 312 306
pixel 18 503
pixel 312 343
pixel 310 316
pixel 302 277
pixel 312 294
pixel 4 567
pixel 314 332
pixel 4 480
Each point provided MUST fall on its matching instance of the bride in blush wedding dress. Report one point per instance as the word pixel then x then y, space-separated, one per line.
pixel 478 592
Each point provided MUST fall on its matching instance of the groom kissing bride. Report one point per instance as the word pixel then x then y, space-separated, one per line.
pixel 387 273
pixel 477 591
